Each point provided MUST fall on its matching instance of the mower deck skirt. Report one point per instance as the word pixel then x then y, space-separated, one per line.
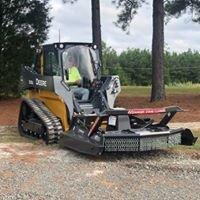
pixel 121 141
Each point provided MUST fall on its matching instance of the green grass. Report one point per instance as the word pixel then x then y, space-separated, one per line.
pixel 197 145
pixel 178 89
pixel 135 91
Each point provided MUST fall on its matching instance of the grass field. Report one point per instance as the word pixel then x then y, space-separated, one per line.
pixel 197 145
pixel 179 89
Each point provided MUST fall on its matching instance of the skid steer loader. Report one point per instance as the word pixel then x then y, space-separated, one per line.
pixel 52 112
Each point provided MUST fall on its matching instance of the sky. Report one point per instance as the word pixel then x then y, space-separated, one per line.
pixel 74 22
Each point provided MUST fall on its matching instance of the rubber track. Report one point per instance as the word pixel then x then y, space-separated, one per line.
pixel 51 122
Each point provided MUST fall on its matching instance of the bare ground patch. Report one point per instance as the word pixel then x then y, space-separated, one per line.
pixel 14 146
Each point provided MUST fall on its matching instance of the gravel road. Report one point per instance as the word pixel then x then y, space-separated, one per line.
pixel 30 170
pixel 190 125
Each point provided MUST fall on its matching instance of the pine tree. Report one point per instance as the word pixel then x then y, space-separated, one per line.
pixel 175 8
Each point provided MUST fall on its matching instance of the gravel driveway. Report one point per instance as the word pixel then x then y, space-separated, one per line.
pixel 30 170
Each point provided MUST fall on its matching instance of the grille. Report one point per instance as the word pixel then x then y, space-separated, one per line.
pixel 174 140
pixel 153 143
pixel 121 144
pixel 131 144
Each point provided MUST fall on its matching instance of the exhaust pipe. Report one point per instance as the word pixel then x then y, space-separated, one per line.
pixel 187 138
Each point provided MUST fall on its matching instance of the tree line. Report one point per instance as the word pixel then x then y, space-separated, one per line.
pixel 134 66
pixel 25 23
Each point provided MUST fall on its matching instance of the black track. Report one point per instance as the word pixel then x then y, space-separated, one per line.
pixel 34 109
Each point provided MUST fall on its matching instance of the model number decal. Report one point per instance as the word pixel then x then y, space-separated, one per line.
pixel 30 82
pixel 41 82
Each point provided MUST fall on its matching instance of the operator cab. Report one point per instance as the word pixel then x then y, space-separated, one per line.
pixel 50 73
pixel 86 60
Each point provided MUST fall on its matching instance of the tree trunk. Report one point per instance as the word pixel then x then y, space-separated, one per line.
pixel 96 24
pixel 158 84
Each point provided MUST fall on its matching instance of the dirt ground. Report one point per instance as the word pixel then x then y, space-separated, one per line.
pixel 9 109
pixel 189 103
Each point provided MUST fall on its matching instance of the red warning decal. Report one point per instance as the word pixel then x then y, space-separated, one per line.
pixel 146 111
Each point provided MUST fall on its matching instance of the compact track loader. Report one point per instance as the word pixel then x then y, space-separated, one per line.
pixel 52 112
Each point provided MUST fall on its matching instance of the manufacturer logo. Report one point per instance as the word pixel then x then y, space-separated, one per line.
pixel 41 83
pixel 30 82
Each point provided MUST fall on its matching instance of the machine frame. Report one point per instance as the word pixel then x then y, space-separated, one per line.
pixel 51 111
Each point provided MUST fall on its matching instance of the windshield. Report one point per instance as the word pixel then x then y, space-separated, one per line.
pixel 84 58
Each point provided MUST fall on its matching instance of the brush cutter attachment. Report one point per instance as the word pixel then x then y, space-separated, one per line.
pixel 120 130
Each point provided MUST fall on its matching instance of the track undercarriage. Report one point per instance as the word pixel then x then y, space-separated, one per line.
pixel 37 121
